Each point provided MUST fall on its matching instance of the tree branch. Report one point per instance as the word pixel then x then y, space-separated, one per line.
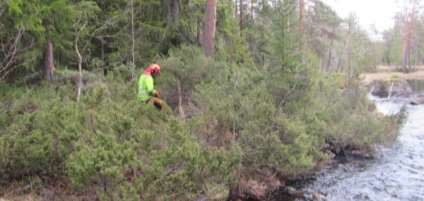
pixel 9 55
pixel 79 84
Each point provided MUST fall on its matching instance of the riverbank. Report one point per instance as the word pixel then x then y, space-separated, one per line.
pixel 396 172
pixel 390 73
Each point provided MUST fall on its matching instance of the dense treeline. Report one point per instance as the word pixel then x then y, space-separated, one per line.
pixel 252 86
pixel 402 45
pixel 133 33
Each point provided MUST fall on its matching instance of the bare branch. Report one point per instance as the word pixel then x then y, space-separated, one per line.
pixel 9 52
pixel 80 59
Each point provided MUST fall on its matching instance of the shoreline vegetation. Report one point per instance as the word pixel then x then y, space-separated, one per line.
pixel 259 97
pixel 56 148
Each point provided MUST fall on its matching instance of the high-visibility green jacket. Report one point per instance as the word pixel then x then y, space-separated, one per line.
pixel 145 87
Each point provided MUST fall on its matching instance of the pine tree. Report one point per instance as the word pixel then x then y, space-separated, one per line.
pixel 210 28
pixel 40 18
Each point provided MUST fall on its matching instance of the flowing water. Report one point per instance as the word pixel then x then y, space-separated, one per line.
pixel 397 173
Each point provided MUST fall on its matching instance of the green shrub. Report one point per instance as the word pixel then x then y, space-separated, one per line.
pixel 39 131
pixel 109 140
pixel 238 118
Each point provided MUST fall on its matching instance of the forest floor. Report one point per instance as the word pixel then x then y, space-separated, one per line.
pixel 34 192
pixel 386 73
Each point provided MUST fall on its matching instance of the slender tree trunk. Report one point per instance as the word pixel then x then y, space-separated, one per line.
pixel 251 10
pixel 102 43
pixel 132 41
pixel 241 16
pixel 210 27
pixel 349 53
pixel 173 11
pixel 408 41
pixel 236 8
pixel 49 61
pixel 405 47
pixel 415 50
pixel 79 81
pixel 301 16
pixel 405 60
pixel 330 55
pixel 180 100
pixel 132 32
pixel 102 52
pixel 198 31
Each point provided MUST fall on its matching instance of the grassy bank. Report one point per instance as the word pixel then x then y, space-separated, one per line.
pixel 386 73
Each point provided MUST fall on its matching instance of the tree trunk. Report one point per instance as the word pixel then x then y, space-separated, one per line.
pixel 210 27
pixel 198 31
pixel 301 16
pixel 49 61
pixel 405 62
pixel 132 33
pixel 407 46
pixel 349 52
pixel 241 16
pixel 236 8
pixel 102 52
pixel 180 100
pixel 132 67
pixel 252 10
pixel 330 55
pixel 79 81
pixel 173 11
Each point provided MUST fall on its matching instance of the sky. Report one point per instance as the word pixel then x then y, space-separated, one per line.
pixel 371 13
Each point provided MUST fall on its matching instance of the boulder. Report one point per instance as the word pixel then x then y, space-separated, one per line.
pixel 417 100
pixel 384 89
pixel 379 89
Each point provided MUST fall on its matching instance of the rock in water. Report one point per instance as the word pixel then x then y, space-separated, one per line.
pixel 418 100
pixel 384 89
pixel 379 89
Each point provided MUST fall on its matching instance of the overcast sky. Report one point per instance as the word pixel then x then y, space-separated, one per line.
pixel 378 13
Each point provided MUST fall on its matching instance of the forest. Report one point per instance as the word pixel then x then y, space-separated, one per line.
pixel 257 92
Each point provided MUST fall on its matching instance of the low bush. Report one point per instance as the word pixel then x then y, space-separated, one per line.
pixel 225 121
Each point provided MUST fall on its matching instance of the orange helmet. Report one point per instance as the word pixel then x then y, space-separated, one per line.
pixel 153 69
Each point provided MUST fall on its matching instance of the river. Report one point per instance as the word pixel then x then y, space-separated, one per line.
pixel 397 172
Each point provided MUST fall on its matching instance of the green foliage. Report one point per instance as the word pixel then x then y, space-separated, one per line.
pixel 393 53
pixel 38 134
pixel 261 102
pixel 343 115
pixel 108 139
pixel 38 16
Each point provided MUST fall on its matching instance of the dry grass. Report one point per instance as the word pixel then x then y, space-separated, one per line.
pixel 386 73
pixel 57 192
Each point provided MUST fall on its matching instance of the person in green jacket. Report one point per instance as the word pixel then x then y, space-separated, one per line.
pixel 146 89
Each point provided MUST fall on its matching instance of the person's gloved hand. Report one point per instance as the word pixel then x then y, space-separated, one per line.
pixel 158 103
pixel 156 94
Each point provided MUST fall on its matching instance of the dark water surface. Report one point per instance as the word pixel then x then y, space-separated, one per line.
pixel 397 174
